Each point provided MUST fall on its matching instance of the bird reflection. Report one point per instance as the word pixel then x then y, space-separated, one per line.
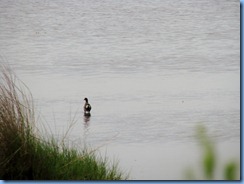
pixel 86 118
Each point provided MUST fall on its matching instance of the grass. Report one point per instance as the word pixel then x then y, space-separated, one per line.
pixel 209 160
pixel 25 155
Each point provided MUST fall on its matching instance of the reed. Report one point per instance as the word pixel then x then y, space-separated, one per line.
pixel 209 160
pixel 25 155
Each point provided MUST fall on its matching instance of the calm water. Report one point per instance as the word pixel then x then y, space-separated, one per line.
pixel 152 71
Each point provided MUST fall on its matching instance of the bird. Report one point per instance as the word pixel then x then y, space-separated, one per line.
pixel 87 108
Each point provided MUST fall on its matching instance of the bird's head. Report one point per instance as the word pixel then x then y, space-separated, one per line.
pixel 86 99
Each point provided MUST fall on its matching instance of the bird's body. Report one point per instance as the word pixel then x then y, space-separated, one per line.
pixel 87 107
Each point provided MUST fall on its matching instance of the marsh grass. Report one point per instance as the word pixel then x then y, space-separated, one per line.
pixel 25 155
pixel 209 160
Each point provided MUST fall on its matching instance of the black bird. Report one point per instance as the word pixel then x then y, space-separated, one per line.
pixel 87 108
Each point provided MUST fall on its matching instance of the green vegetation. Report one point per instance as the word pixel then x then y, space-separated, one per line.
pixel 209 160
pixel 26 155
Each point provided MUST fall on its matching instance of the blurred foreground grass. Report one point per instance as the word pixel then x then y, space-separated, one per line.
pixel 230 170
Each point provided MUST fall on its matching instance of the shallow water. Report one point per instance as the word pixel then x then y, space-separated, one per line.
pixel 152 71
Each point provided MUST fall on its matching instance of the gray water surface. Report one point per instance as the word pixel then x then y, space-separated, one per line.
pixel 152 70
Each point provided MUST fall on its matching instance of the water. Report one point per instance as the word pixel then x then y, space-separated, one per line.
pixel 152 71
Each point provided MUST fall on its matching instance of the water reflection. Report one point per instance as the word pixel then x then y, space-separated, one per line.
pixel 86 118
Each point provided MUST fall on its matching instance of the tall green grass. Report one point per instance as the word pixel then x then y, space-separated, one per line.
pixel 25 155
